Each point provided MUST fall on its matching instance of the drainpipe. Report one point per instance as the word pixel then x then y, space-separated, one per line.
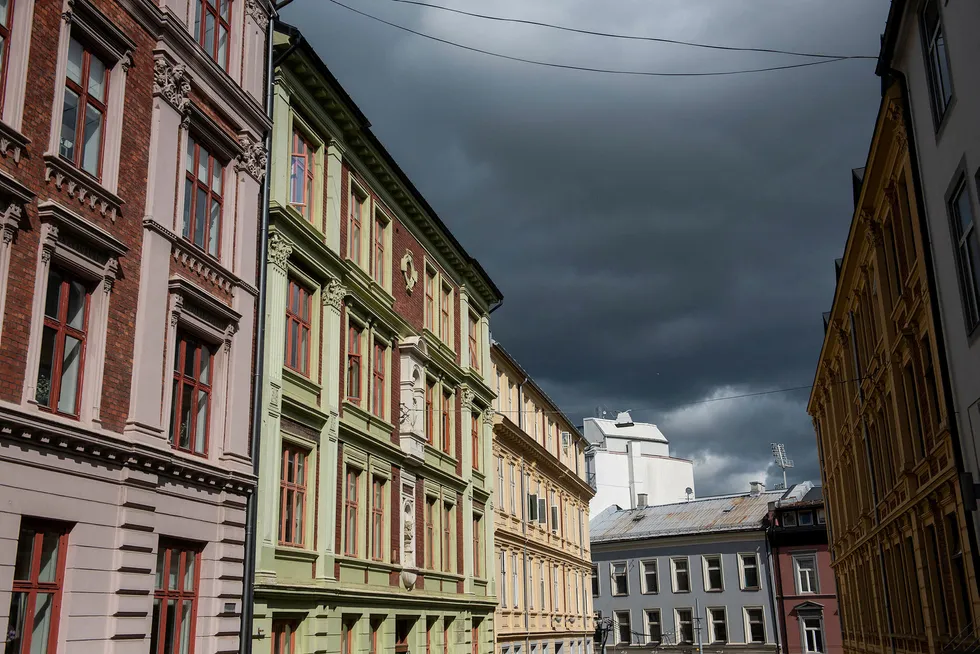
pixel 776 596
pixel 524 491
pixel 251 507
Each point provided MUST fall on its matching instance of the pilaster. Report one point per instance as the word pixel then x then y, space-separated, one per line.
pixel 333 294
pixel 335 191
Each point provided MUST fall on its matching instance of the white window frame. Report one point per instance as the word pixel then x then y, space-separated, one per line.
pixel 797 558
pixel 514 576
pixel 646 624
pixel 503 578
pixel 15 91
pixel 789 519
pixel 721 571
pixel 809 522
pixel 748 625
pixel 711 624
pixel 803 631
pixel 512 480
pixel 644 587
pixel 754 556
pixel 629 623
pixel 677 625
pixel 612 578
pixel 673 573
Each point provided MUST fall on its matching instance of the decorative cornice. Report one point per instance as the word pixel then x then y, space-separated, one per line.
pixel 253 157
pixel 334 293
pixel 279 250
pixel 170 81
pixel 80 186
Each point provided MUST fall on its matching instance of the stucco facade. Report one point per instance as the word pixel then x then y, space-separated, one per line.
pixel 541 520
pixel 374 520
pixel 127 321
pixel 902 552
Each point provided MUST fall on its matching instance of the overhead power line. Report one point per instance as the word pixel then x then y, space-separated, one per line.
pixel 631 37
pixel 608 71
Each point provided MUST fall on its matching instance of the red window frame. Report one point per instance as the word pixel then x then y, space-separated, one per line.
pixel 222 19
pixel 447 536
pixel 171 593
pixel 477 545
pixel 84 100
pixel 356 223
pixel 292 494
pixel 379 249
pixel 444 314
pixel 430 534
pixel 62 330
pixel 430 413
pixel 345 637
pixel 447 399
pixel 378 380
pixel 475 429
pixel 298 323
pixel 37 532
pixel 303 150
pixel 474 345
pixel 430 301
pixel 350 511
pixel 193 187
pixel 476 638
pixel 193 381
pixel 5 29
pixel 284 636
pixel 377 519
pixel 354 365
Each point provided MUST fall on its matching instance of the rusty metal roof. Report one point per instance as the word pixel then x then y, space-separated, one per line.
pixel 742 512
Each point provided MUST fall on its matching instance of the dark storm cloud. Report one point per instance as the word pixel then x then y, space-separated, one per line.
pixel 659 241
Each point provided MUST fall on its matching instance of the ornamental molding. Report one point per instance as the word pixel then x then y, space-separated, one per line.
pixel 82 187
pixel 333 294
pixel 488 416
pixel 467 398
pixel 253 158
pixel 279 250
pixel 10 221
pixel 200 265
pixel 12 142
pixel 255 10
pixel 409 271
pixel 172 83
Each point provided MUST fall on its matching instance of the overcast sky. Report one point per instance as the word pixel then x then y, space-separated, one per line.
pixel 659 241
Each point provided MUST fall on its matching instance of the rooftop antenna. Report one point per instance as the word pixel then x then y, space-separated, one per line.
pixel 779 454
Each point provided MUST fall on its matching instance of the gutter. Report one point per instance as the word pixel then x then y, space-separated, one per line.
pixel 251 507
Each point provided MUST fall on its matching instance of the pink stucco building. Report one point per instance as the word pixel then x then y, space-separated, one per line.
pixel 805 591
pixel 131 168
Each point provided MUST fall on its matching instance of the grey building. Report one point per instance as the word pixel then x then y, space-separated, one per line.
pixel 684 575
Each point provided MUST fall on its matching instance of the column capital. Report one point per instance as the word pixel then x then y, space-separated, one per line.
pixel 279 250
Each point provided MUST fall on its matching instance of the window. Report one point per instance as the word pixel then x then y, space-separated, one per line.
pixel 6 23
pixel 445 314
pixel 478 546
pixel 718 624
pixel 806 518
pixel 624 634
pixel 379 248
pixel 346 626
pixel 377 518
pixel 713 578
pixel 789 519
pixel 350 511
pixel 430 534
pixel 211 26
pixel 620 581
pixel 967 252
pixel 513 490
pixel 684 619
pixel 39 571
pixel 378 380
pixel 447 537
pixel 202 198
pixel 283 637
pixel 756 625
pixel 430 425
pixel 83 113
pixel 937 61
pixel 354 365
pixel 302 174
pixel 292 496
pixel 356 221
pixel 193 363
pixel 475 433
pixel 543 584
pixel 806 574
pixel 595 580
pixel 681 575
pixel 555 604
pixel 650 582
pixel 298 316
pixel 821 517
pixel 750 571
pixel 430 300
pixel 447 435
pixel 654 628
pixel 175 598
pixel 474 343
pixel 59 376
pixel 812 635
pixel 503 579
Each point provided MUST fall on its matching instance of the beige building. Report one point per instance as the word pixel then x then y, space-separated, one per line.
pixel 541 520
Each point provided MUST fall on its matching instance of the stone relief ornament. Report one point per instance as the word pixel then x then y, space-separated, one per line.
pixel 467 397
pixel 253 157
pixel 334 293
pixel 279 250
pixel 409 271
pixel 488 416
pixel 254 9
pixel 170 81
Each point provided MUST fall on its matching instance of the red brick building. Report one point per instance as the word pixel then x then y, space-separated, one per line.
pixel 131 167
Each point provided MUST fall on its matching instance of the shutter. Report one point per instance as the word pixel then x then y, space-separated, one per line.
pixel 554 518
pixel 532 507
pixel 542 511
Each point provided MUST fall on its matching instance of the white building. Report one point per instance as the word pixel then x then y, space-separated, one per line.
pixel 629 463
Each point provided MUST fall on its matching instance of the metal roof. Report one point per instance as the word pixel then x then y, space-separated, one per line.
pixel 742 512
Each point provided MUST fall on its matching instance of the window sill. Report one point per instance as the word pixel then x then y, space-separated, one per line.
pixel 294 553
pixel 301 380
pixel 299 218
pixel 79 185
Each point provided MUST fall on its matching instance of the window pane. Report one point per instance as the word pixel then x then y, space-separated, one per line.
pixel 70 369
pixel 184 438
pixel 185 627
pixel 46 368
pixel 161 563
pixel 96 79
pixel 92 148
pixel 209 33
pixel 202 165
pixel 222 47
pixel 76 55
pixel 301 469
pixel 943 72
pixel 41 630
pixel 297 178
pixel 213 227
pixel 298 529
pixel 155 626
pixel 202 422
pixel 189 559
pixel 76 305
pixel 963 210
pixel 52 301
pixel 188 198
pixel 4 11
pixel 216 176
pixel 205 376
pixel 173 572
pixel 189 158
pixel 25 554
pixel 48 570
pixel 201 219
pixel 197 18
pixel 168 638
pixel 69 123
pixel 288 520
pixel 304 349
pixel 18 611
pixel 224 9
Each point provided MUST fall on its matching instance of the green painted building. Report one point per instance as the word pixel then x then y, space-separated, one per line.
pixel 374 529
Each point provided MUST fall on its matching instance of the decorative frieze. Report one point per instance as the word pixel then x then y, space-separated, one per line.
pixel 170 82
pixel 200 265
pixel 79 186
pixel 253 158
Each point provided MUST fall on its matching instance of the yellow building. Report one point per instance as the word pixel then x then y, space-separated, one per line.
pixel 541 520
pixel 902 552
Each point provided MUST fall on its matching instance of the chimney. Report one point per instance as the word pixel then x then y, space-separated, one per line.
pixel 641 500
pixel 624 419
pixel 756 488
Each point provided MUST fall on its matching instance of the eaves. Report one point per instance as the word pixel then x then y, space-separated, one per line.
pixel 679 539
pixel 514 438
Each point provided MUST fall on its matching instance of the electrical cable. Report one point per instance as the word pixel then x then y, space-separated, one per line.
pixel 608 71
pixel 631 37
